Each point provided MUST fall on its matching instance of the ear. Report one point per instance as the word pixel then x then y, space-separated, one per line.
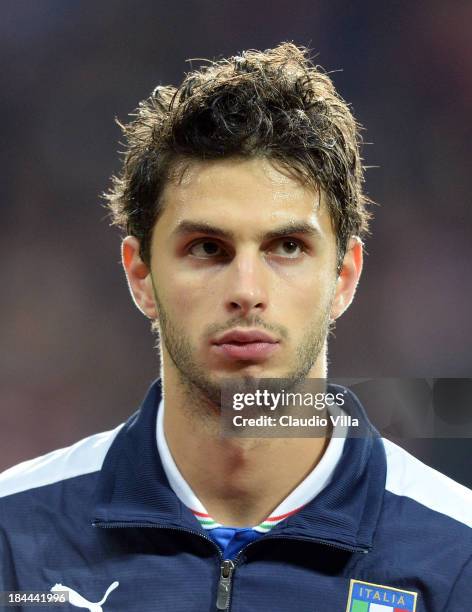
pixel 348 278
pixel 139 278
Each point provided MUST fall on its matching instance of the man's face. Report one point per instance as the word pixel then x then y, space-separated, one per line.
pixel 242 249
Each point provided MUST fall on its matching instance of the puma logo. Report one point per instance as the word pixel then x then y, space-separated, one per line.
pixel 80 602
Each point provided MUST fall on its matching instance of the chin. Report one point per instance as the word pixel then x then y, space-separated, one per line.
pixel 249 372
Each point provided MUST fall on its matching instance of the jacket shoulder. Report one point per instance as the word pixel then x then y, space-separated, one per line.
pixel 83 457
pixel 407 476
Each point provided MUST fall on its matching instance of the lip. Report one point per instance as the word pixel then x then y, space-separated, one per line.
pixel 249 345
pixel 238 336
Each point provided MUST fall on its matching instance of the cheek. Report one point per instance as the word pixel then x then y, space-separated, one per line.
pixel 304 284
pixel 188 300
pixel 304 302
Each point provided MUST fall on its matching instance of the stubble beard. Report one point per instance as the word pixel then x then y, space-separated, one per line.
pixel 200 388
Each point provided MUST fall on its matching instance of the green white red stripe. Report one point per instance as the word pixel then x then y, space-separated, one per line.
pixel 207 522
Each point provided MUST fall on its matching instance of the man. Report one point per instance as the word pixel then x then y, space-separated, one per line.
pixel 241 194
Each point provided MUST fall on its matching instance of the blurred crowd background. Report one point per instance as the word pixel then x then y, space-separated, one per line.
pixel 76 356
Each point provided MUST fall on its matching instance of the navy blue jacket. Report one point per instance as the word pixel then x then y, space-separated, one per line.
pixel 100 518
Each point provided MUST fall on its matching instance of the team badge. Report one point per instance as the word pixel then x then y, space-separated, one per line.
pixel 369 597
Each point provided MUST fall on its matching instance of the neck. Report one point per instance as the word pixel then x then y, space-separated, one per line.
pixel 240 481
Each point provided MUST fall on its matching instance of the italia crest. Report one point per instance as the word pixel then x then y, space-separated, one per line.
pixel 369 597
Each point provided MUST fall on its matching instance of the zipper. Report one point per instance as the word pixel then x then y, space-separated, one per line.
pixel 346 547
pixel 223 595
pixel 111 525
pixel 227 566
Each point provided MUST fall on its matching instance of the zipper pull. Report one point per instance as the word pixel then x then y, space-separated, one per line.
pixel 224 585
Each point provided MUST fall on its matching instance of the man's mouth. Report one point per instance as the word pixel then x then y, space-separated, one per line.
pixel 251 345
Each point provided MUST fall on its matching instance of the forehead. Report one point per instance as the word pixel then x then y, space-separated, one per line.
pixel 240 192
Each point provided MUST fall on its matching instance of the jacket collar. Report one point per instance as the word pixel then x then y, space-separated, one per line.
pixel 133 488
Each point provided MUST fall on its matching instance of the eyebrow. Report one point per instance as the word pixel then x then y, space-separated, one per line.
pixel 200 227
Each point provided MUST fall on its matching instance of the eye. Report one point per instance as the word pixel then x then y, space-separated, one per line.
pixel 288 247
pixel 206 249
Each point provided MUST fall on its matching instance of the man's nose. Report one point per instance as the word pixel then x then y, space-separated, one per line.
pixel 247 285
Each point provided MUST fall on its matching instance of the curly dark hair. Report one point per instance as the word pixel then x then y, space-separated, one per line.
pixel 275 104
